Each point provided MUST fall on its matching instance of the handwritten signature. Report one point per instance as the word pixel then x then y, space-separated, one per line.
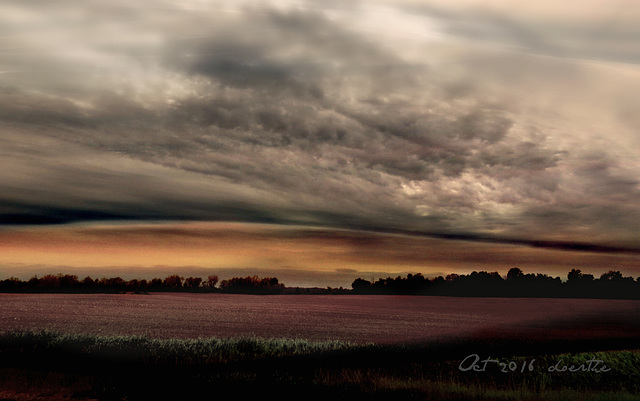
pixel 473 363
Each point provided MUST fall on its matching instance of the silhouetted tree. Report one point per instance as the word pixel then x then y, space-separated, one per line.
pixel 68 280
pixel 87 282
pixel 611 275
pixel 117 282
pixel 514 273
pixel 173 281
pixel 361 285
pixel 133 285
pixel 252 284
pixel 579 284
pixel 34 282
pixel 11 284
pixel 452 277
pixel 49 281
pixel 192 282
pixel 574 276
pixel 155 284
pixel 211 282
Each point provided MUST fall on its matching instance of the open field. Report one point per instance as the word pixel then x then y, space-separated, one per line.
pixel 196 346
pixel 354 318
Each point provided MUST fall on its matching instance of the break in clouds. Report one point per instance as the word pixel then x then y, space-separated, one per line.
pixel 502 124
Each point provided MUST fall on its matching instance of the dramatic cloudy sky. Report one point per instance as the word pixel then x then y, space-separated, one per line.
pixel 318 140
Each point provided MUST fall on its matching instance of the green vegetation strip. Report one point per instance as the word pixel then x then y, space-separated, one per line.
pixel 164 351
pixel 134 367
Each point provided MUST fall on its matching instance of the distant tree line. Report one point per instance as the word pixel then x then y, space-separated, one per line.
pixel 252 285
pixel 516 283
pixel 611 284
pixel 71 283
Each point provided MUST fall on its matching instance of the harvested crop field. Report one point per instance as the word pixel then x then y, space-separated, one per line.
pixel 354 318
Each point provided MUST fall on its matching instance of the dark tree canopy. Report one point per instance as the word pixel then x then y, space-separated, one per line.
pixel 612 284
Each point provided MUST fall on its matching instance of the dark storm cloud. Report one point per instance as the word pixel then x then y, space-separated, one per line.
pixel 314 115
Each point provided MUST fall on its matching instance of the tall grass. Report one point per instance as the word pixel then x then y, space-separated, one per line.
pixel 138 368
pixel 210 350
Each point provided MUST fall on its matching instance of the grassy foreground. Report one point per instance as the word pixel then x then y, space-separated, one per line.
pixel 51 366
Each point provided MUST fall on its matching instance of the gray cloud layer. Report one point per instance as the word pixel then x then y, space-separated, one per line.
pixel 366 115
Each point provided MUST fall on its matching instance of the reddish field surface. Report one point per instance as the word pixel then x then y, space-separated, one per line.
pixel 366 318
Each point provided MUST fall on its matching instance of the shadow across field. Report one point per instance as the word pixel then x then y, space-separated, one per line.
pixel 421 344
pixel 140 368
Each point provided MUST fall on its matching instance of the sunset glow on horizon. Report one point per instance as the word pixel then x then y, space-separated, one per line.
pixel 299 256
